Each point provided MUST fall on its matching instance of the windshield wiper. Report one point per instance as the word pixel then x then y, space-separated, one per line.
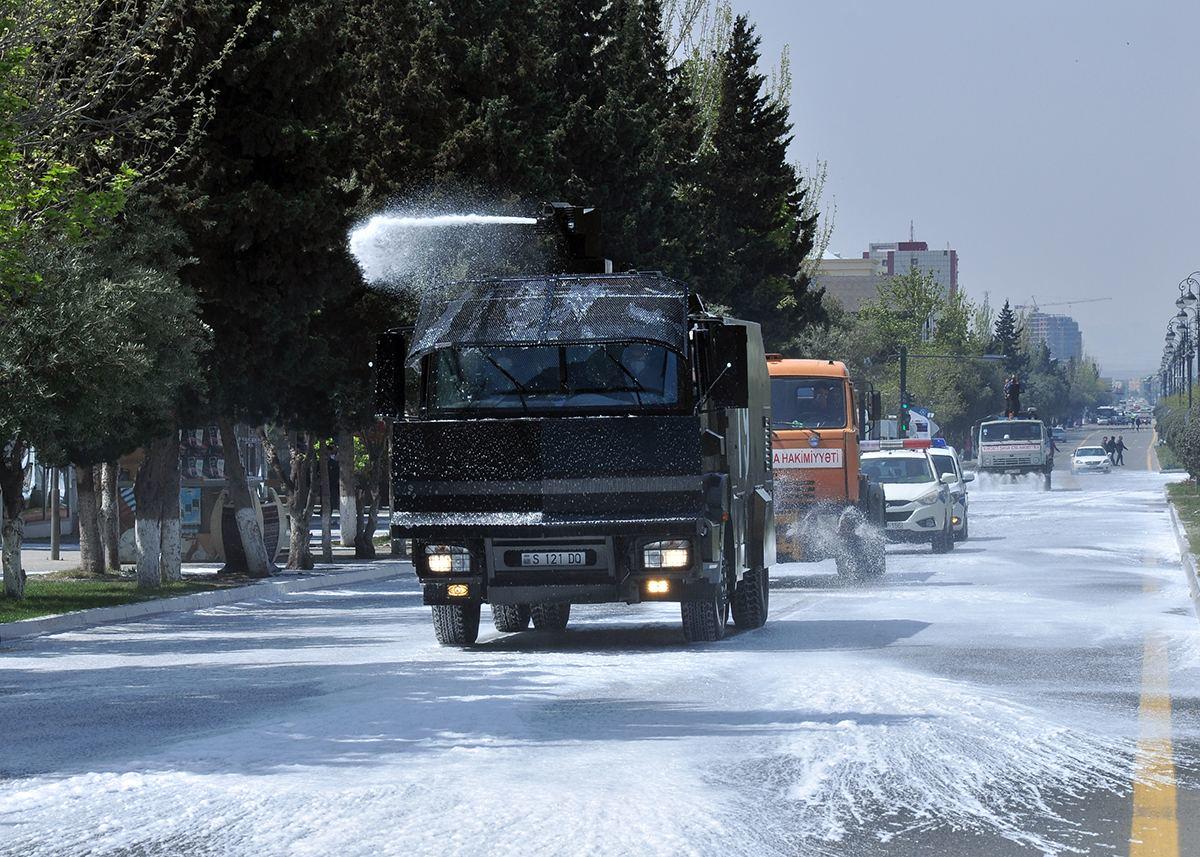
pixel 638 384
pixel 520 388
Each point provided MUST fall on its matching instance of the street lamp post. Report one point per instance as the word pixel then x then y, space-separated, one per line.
pixel 1172 362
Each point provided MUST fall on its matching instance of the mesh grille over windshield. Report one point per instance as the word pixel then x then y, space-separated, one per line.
pixel 551 309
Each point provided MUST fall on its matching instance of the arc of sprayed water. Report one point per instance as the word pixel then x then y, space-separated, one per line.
pixel 381 247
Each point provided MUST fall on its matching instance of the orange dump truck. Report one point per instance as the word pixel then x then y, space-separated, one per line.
pixel 824 507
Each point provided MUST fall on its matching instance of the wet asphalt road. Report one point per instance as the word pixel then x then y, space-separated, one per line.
pixel 992 701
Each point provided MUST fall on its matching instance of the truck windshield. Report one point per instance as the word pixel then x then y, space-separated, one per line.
pixel 995 432
pixel 896 469
pixel 611 376
pixel 808 403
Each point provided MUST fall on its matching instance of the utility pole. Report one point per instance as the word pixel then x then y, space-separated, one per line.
pixel 904 391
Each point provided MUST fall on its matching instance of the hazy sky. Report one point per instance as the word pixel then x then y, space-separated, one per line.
pixel 1052 143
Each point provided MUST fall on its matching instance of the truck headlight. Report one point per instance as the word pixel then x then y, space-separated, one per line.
pixel 447 559
pixel 673 554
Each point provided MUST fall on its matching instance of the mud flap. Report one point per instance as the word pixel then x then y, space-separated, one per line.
pixel 760 552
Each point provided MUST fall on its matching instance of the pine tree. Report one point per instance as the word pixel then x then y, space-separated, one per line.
pixel 754 235
pixel 266 204
pixel 1007 339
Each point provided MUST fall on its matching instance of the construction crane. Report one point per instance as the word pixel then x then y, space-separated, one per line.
pixel 1034 304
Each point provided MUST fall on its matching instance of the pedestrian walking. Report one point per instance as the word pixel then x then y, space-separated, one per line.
pixel 1120 448
pixel 1107 445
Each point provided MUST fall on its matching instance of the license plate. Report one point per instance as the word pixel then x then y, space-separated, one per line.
pixel 554 558
pixel 895 525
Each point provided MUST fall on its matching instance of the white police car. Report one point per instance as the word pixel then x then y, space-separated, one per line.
pixel 945 460
pixel 920 505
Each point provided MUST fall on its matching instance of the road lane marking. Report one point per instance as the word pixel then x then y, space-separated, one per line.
pixel 1151 458
pixel 1155 829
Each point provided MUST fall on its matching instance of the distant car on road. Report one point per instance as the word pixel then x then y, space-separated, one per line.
pixel 920 507
pixel 945 460
pixel 1090 459
pixel 1059 433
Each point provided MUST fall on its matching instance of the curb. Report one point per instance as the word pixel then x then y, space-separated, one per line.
pixel 1185 557
pixel 24 628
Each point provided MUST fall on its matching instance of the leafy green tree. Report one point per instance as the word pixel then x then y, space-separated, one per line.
pixel 98 358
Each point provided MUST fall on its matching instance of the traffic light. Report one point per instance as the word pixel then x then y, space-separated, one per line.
pixel 905 412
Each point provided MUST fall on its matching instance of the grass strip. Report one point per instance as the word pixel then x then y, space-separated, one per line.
pixel 1186 497
pixel 49 597
pixel 1167 459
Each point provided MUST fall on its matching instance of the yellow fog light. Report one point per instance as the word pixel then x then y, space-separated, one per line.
pixel 658 587
pixel 956 520
pixel 457 590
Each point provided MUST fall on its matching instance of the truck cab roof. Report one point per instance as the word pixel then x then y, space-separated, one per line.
pixel 778 365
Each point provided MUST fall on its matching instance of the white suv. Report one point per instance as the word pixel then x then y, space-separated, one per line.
pixel 945 460
pixel 920 507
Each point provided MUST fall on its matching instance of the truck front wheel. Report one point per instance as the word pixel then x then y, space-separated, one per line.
pixel 704 621
pixel 509 618
pixel 456 624
pixel 550 617
pixel 751 597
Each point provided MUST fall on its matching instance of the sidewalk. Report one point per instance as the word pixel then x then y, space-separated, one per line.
pixel 35 555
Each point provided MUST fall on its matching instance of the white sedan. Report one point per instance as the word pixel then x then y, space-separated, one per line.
pixel 1090 459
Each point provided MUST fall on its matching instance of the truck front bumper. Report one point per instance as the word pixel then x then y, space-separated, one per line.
pixel 613 570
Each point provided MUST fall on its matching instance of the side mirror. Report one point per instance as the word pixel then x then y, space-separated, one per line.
pixel 968 477
pixel 729 385
pixel 948 479
pixel 390 348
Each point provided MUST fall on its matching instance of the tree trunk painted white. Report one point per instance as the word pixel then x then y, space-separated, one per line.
pixel 147 532
pixel 300 504
pixel 110 516
pixel 171 548
pixel 326 499
pixel 170 537
pixel 13 531
pixel 150 490
pixel 91 551
pixel 347 507
pixel 12 525
pixel 257 563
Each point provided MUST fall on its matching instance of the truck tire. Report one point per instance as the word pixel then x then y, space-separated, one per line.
pixel 456 624
pixel 704 621
pixel 510 617
pixel 550 617
pixel 751 599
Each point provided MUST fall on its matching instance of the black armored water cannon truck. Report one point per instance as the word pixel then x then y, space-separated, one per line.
pixel 580 438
